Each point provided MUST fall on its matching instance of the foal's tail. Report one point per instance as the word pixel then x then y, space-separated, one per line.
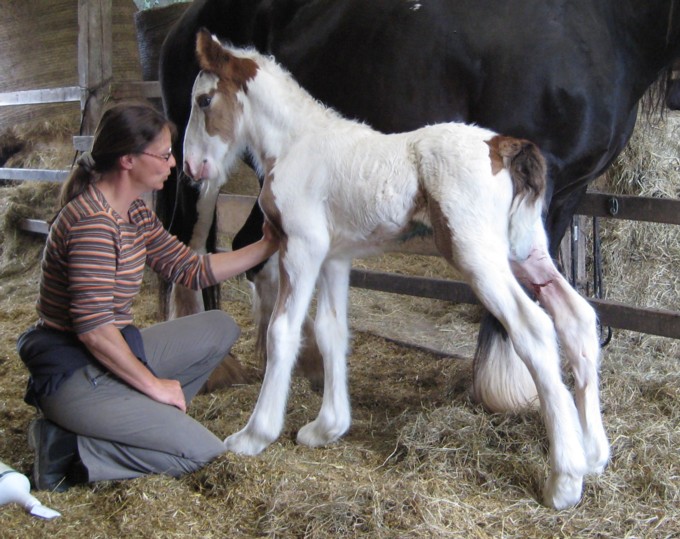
pixel 527 168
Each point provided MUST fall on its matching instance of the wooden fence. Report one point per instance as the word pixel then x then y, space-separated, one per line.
pixel 95 85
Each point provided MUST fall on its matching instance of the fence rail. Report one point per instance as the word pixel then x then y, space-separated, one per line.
pixel 36 97
pixel 234 209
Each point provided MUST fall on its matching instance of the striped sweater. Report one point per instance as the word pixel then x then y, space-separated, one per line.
pixel 93 263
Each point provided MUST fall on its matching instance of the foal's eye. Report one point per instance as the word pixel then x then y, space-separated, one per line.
pixel 203 101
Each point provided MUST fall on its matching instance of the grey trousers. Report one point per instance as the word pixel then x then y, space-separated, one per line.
pixel 122 433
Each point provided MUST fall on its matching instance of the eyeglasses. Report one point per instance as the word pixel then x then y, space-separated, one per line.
pixel 165 157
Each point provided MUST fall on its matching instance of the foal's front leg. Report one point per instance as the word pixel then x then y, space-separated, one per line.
pixel 331 333
pixel 264 291
pixel 298 275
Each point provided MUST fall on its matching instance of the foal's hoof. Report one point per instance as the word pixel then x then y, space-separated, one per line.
pixel 562 491
pixel 597 455
pixel 318 433
pixel 245 443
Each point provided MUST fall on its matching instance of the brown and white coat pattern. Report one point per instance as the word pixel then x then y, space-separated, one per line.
pixel 337 189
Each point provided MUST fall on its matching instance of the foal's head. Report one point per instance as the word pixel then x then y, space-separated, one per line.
pixel 213 138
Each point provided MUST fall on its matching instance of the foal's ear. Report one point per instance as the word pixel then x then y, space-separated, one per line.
pixel 210 54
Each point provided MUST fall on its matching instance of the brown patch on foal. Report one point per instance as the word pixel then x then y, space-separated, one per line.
pixel 441 230
pixel 233 75
pixel 524 162
pixel 213 57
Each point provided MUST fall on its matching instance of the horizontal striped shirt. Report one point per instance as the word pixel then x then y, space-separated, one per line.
pixel 94 261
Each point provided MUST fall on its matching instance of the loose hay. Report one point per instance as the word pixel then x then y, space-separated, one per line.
pixel 420 460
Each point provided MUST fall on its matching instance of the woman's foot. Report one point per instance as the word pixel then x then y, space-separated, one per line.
pixel 56 452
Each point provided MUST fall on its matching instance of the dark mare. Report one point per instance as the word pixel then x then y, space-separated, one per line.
pixel 565 74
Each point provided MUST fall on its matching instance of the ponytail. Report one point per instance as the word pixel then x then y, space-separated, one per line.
pixel 124 128
pixel 80 178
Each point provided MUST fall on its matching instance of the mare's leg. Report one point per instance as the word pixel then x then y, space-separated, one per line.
pixel 331 332
pixel 500 379
pixel 576 324
pixel 299 267
pixel 184 301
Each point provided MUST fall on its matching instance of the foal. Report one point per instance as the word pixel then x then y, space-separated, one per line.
pixel 336 189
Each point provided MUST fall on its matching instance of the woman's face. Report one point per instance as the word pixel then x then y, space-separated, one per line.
pixel 152 166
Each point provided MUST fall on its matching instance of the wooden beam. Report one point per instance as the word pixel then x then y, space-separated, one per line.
pixel 33 174
pixel 83 143
pixel 660 322
pixel 95 63
pixel 136 89
pixel 632 208
pixel 424 287
pixel 36 97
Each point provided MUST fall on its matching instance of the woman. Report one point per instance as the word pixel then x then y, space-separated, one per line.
pixel 114 398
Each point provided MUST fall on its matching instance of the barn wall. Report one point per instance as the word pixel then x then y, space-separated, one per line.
pixel 51 60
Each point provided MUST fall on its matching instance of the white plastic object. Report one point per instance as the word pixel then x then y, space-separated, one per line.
pixel 16 488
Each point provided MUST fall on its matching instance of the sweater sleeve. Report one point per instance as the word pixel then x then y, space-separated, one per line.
pixel 92 258
pixel 171 258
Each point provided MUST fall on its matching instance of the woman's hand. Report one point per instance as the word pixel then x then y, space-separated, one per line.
pixel 270 237
pixel 108 345
pixel 232 263
pixel 169 392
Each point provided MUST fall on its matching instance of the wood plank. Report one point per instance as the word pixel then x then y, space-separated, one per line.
pixel 33 174
pixel 444 289
pixel 35 226
pixel 136 89
pixel 232 211
pixel 660 322
pixel 83 143
pixel 47 95
pixel 95 64
pixel 633 208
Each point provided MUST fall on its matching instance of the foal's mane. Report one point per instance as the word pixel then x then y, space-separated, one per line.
pixel 285 81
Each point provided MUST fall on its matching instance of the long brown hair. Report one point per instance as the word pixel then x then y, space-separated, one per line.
pixel 124 128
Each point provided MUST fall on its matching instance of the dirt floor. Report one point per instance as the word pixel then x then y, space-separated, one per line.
pixel 421 459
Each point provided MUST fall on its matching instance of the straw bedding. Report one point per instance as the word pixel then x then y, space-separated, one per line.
pixel 421 460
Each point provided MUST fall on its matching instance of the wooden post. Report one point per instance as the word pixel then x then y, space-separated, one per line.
pixel 573 254
pixel 95 69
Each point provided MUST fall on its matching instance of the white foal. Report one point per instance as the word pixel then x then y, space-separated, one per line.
pixel 336 189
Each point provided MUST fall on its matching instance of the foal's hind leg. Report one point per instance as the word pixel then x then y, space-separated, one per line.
pixel 576 325
pixel 532 334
